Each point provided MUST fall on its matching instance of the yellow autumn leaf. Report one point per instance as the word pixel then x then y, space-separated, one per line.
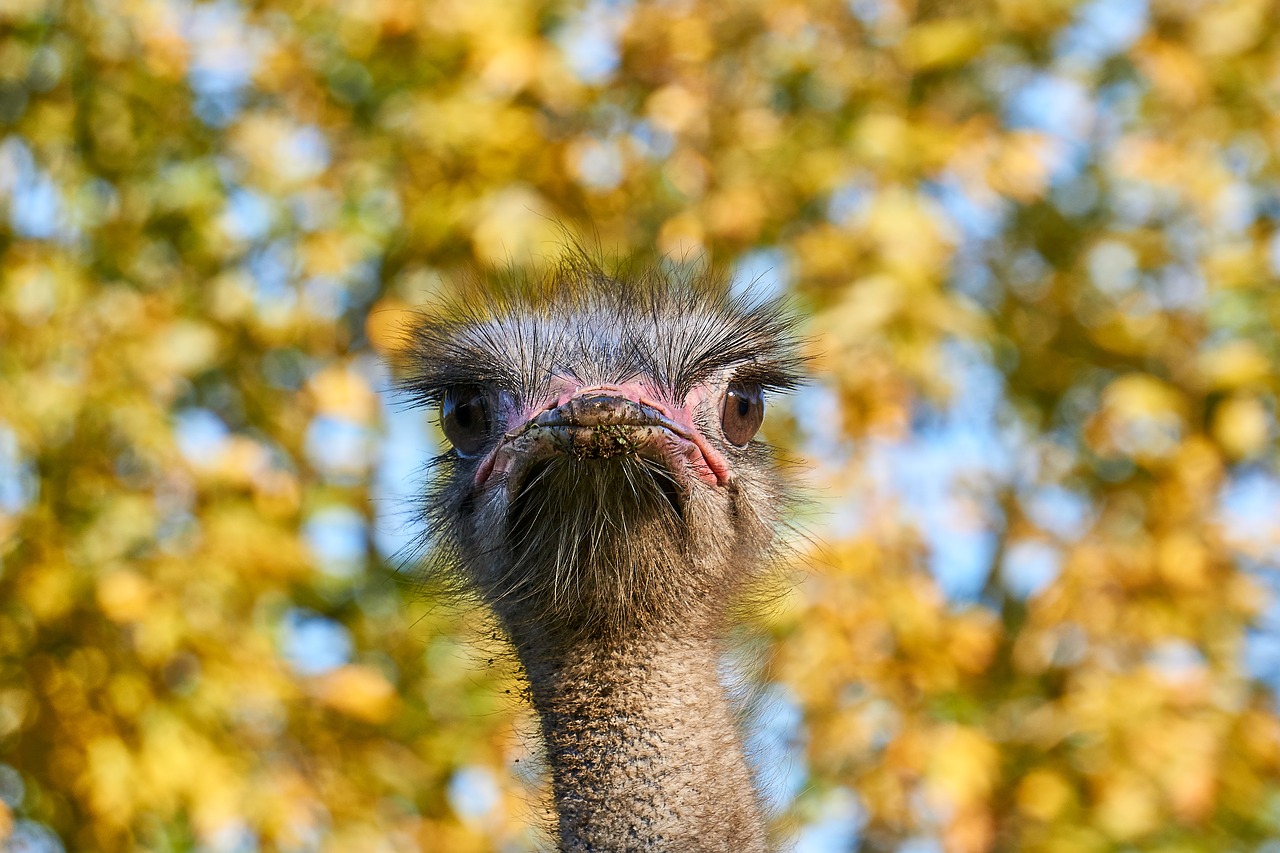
pixel 1043 794
pixel 1141 416
pixel 674 108
pixel 185 347
pixel 110 780
pixel 941 43
pixel 1242 426
pixel 124 595
pixel 1023 165
pixel 358 691
pixel 513 225
pixel 1127 807
pixel 963 766
pixel 1234 364
pixel 1229 28
pixel 341 392
pixel 1183 561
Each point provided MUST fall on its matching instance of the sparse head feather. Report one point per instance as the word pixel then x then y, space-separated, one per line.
pixel 516 332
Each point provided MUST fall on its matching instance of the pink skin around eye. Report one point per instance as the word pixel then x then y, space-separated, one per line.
pixel 705 461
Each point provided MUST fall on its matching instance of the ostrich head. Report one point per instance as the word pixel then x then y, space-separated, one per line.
pixel 604 474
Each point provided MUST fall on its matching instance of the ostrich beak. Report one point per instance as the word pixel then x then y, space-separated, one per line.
pixel 605 423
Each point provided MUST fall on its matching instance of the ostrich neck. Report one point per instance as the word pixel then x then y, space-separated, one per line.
pixel 643 748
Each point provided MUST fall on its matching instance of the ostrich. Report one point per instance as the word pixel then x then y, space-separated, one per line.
pixel 606 496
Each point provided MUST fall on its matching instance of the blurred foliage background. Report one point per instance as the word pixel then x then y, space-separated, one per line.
pixel 1036 243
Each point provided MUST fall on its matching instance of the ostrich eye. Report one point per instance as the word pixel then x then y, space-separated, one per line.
pixel 743 412
pixel 465 418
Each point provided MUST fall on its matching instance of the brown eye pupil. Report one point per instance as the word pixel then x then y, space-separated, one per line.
pixel 743 412
pixel 465 419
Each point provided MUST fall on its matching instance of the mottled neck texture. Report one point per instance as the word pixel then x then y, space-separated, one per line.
pixel 643 748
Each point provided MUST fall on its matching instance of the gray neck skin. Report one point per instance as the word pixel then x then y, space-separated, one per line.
pixel 643 748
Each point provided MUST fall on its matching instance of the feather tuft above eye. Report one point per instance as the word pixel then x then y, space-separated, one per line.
pixel 577 320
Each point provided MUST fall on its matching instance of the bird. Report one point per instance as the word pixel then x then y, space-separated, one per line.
pixel 605 492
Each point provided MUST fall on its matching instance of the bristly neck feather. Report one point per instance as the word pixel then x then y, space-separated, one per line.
pixel 642 744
